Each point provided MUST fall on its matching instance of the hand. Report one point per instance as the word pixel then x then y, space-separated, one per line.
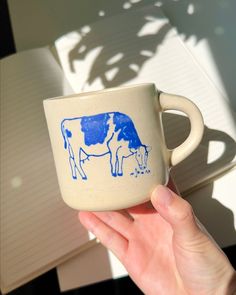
pixel 164 247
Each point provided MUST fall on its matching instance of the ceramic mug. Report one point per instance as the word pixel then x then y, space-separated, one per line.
pixel 109 147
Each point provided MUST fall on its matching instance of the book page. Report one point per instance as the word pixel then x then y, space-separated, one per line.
pixel 142 46
pixel 37 229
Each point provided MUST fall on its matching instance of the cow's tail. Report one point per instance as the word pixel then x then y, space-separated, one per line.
pixel 63 131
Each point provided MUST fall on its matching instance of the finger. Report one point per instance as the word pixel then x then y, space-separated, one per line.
pixel 107 235
pixel 147 208
pixel 120 221
pixel 177 212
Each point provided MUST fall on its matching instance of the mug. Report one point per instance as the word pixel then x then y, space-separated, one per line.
pixel 109 147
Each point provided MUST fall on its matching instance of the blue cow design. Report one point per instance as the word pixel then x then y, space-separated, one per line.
pixel 110 133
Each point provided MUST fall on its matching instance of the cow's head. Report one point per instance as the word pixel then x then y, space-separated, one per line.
pixel 141 155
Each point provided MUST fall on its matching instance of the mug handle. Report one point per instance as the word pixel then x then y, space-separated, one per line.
pixel 176 102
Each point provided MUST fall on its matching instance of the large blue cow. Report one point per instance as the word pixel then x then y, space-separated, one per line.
pixel 109 133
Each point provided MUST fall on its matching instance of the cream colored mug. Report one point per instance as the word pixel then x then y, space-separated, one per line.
pixel 109 147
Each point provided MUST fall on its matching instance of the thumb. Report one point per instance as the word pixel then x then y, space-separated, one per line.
pixel 177 212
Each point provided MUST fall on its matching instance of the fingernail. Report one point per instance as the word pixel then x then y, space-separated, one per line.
pixel 163 196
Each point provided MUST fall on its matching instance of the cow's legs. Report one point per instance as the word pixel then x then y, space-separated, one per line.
pixel 119 162
pixel 120 166
pixel 75 163
pixel 113 162
pixel 79 166
pixel 116 162
pixel 72 162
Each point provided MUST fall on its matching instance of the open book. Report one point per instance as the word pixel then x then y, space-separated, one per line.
pixel 38 231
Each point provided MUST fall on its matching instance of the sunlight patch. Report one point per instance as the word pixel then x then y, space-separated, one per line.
pixel 110 75
pixel 147 53
pixel 191 9
pixel 152 26
pixel 115 58
pixel 101 13
pixel 82 49
pixel 134 67
pixel 216 150
pixel 85 30
pixel 16 182
pixel 158 4
pixel 127 5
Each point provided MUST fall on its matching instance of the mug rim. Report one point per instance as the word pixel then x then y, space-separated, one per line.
pixel 95 92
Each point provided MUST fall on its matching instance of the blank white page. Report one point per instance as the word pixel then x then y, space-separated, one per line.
pixel 37 229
